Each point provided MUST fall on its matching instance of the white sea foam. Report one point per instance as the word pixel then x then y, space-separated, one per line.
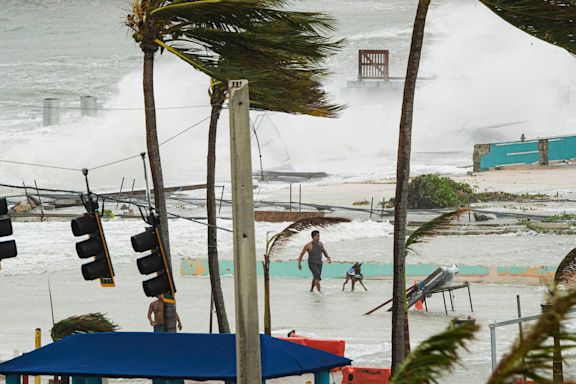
pixel 50 246
pixel 474 87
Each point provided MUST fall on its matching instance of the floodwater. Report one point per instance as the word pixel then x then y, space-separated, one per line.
pixel 333 315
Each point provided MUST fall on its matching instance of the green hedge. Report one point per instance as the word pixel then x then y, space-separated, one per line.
pixel 432 191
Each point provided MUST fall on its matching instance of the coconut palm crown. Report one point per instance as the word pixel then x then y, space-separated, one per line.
pixel 550 20
pixel 278 51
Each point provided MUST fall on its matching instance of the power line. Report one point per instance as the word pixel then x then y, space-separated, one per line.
pixel 185 130
pixel 114 162
pixel 104 198
pixel 40 165
pixel 108 109
pixel 162 143
pixel 106 164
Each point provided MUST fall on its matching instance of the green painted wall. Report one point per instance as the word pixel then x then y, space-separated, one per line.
pixel 199 267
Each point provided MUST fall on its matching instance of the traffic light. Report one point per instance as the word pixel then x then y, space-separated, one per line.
pixel 95 246
pixel 7 248
pixel 156 261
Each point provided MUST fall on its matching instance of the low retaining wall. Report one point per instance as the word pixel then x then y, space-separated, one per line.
pixel 470 273
pixel 522 153
pixel 281 216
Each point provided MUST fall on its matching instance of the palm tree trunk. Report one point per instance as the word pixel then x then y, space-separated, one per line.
pixel 153 147
pixel 267 314
pixel 216 100
pixel 406 332
pixel 401 200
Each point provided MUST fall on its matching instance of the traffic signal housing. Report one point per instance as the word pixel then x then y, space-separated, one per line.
pixel 95 246
pixel 156 261
pixel 7 248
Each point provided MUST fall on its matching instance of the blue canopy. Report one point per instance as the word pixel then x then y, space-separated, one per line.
pixel 166 356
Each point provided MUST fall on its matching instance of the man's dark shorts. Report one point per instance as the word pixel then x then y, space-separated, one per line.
pixel 316 269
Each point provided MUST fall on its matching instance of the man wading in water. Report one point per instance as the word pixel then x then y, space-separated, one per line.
pixel 315 249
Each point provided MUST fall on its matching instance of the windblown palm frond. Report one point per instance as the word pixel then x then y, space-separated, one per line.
pixel 235 15
pixel 566 272
pixel 432 227
pixel 536 346
pixel 90 323
pixel 553 21
pixel 435 356
pixel 280 52
pixel 280 239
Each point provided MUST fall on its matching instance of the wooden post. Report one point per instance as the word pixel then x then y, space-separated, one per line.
pixel 121 185
pixel 299 197
pixel 51 112
pixel 248 367
pixel 371 206
pixel 290 206
pixel 88 105
pixel 221 198
pixel 37 344
pixel 521 335
pixel 557 366
pixel 39 201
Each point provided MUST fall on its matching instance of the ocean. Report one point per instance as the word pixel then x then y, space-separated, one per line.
pixel 485 81
pixel 484 73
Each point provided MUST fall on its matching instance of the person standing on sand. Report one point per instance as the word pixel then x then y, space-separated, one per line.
pixel 156 315
pixel 315 249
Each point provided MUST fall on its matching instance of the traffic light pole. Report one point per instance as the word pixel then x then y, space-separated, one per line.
pixel 248 368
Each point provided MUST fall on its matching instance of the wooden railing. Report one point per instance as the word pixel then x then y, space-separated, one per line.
pixel 373 64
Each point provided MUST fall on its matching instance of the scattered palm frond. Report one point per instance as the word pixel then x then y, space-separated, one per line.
pixel 566 272
pixel 89 323
pixel 551 21
pixel 433 227
pixel 280 239
pixel 535 346
pixel 435 356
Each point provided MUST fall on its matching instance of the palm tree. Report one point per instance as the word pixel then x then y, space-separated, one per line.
pixel 551 21
pixel 426 230
pixel 147 30
pixel 401 197
pixel 278 51
pixel 530 356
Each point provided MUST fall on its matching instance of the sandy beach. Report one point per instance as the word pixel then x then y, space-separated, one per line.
pixel 533 180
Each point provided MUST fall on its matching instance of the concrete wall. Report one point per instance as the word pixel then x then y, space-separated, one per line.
pixel 530 152
pixel 470 273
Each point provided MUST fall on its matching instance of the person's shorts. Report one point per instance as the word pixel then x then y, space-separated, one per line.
pixel 316 270
pixel 159 328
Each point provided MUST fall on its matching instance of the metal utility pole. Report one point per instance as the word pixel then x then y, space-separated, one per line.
pixel 248 368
